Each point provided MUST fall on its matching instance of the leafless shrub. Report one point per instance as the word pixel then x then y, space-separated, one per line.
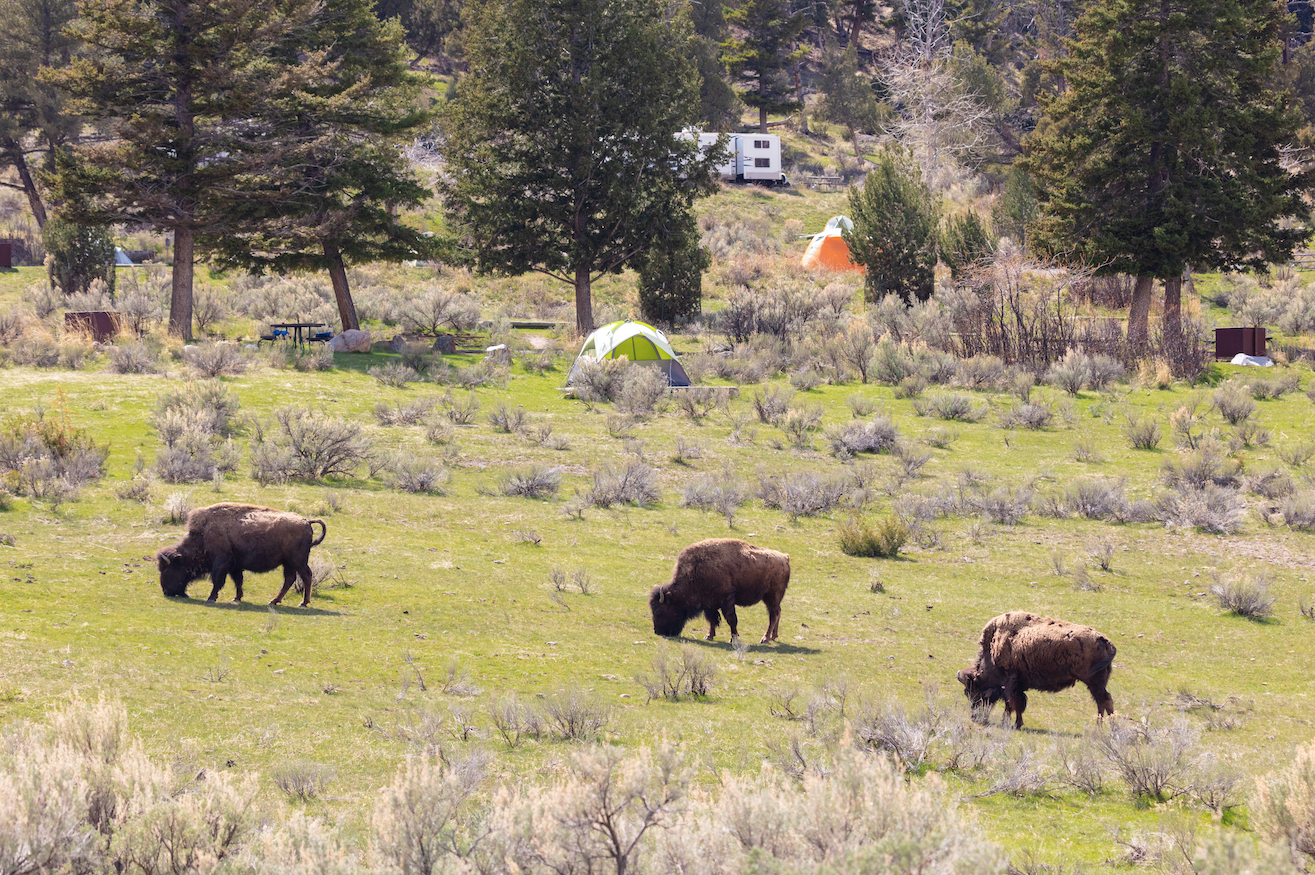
pixel 411 473
pixel 456 680
pixel 1153 760
pixel 890 728
pixel 1297 455
pixel 1071 373
pixel 635 484
pixel 537 481
pixel 1086 450
pixel 1057 562
pixel 215 359
pixel 137 489
pixel 507 419
pixel 697 403
pixel 1006 505
pixel 597 381
pixel 1249 434
pixel 951 406
pixel 1207 464
pixel 405 414
pixel 684 451
pixel 301 444
pixel 1270 483
pixel 514 721
pixel 1081 763
pixel 1019 772
pixel 1084 582
pixel 1095 498
pixel 799 424
pixel 1102 552
pixel 394 374
pixel 723 494
pixel 438 310
pixel 423 815
pixel 575 714
pixel 940 438
pixel 177 506
pixel 784 702
pixel 583 582
pixel 689 674
pixel 643 388
pixel 980 372
pixel 1142 434
pixel 1245 596
pixel 1299 511
pixel 912 459
pixel 800 493
pixel 134 358
pixel 1213 509
pixel 771 404
pixel 1234 403
pixel 1281 805
pixel 1215 783
pixel 1265 389
pixel 877 435
pixel 301 779
pixel 860 406
pixel 459 411
pixel 1030 416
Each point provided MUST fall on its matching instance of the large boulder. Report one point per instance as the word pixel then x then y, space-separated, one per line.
pixel 351 340
pixel 445 344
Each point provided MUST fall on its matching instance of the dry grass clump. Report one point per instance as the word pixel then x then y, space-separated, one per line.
pixel 1246 596
pixel 881 538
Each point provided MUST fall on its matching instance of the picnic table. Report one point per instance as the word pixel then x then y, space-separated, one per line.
pixel 281 331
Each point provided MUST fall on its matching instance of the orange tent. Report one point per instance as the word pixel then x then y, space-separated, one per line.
pixel 828 249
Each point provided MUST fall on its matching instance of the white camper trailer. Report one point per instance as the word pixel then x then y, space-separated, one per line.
pixel 754 157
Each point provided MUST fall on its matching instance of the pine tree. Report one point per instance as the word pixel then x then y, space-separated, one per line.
pixel 763 53
pixel 671 273
pixel 562 149
pixel 847 97
pixel 33 118
pixel 334 171
pixel 1163 152
pixel 173 82
pixel 894 237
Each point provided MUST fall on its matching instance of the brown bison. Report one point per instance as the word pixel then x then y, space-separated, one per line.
pixel 1019 651
pixel 229 539
pixel 716 575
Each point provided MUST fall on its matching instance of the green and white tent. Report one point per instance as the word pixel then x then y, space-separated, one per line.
pixel 637 341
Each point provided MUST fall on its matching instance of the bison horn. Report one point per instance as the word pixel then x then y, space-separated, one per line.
pixel 662 596
pixel 963 680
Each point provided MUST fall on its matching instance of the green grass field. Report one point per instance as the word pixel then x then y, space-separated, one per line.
pixel 461 581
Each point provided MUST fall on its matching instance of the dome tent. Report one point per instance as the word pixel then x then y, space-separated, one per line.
pixel 637 341
pixel 829 249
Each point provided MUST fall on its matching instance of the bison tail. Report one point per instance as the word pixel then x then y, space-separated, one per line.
pixel 324 530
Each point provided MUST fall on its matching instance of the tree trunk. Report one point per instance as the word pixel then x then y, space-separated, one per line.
pixel 180 303
pixel 762 119
pixel 14 152
pixel 1173 304
pixel 1140 311
pixel 341 291
pixel 584 306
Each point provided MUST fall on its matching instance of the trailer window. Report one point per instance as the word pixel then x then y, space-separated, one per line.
pixel 762 162
pixel 761 144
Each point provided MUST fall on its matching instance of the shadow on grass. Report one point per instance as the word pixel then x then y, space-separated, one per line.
pixel 254 607
pixel 776 647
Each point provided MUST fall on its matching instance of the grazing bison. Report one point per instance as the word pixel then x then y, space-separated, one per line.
pixel 1021 651
pixel 229 539
pixel 716 575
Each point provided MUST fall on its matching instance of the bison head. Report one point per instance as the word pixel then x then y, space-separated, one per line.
pixel 982 689
pixel 176 571
pixel 668 618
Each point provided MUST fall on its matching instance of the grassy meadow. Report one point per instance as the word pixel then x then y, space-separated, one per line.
pixel 441 604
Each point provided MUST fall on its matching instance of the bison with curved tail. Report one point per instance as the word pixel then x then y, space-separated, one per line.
pixel 228 539
pixel 1019 651
pixel 713 577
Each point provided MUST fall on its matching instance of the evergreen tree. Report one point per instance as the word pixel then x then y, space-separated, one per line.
pixel 847 97
pixel 1015 208
pixel 334 172
pixel 965 243
pixel 894 237
pixel 562 149
pixel 1163 152
pixel 671 273
pixel 175 82
pixel 719 104
pixel 33 118
pixel 763 54
pixel 78 255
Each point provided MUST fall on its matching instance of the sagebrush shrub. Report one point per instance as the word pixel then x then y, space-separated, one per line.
pixel 636 484
pixel 1143 433
pixel 301 444
pixel 1234 403
pixel 881 538
pixel 771 404
pixel 537 481
pixel 877 435
pixel 1030 416
pixel 1282 805
pixel 215 360
pixel 800 493
pixel 951 406
pixel 411 473
pixel 1213 509
pixel 1246 596
pixel 723 494
pixel 133 358
pixel 394 374
pixel 1072 373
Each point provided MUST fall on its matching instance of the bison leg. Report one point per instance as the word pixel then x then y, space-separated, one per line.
pixel 713 619
pixel 1015 701
pixel 236 574
pixel 728 611
pixel 219 571
pixel 289 577
pixel 305 585
pixel 773 622
pixel 1104 701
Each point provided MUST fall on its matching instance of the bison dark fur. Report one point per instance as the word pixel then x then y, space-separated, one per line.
pixel 715 576
pixel 230 539
pixel 1019 651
